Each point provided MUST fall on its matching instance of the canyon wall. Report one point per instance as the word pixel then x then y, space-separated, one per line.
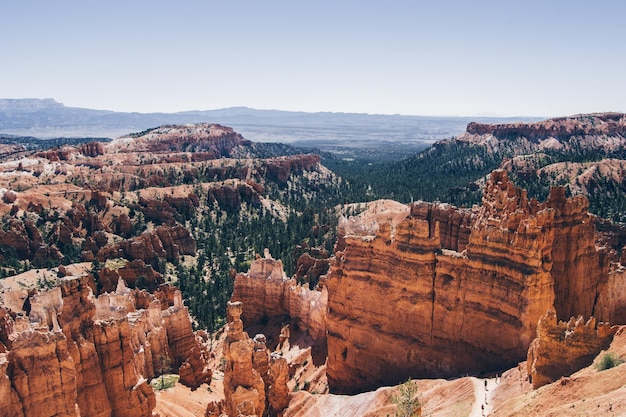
pixel 73 354
pixel 433 291
pixel 267 292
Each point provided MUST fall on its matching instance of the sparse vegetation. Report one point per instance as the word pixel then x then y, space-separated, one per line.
pixel 608 360
pixel 406 400
pixel 164 382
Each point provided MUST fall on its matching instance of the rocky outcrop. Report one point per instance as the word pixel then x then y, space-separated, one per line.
pixel 23 240
pixel 128 393
pixel 91 149
pixel 164 242
pixel 611 296
pixel 267 292
pixel 42 376
pixel 577 267
pixel 419 291
pixel 170 210
pixel 213 140
pixel 74 354
pixel 230 195
pixel 244 388
pixel 311 263
pixel 136 274
pixel 562 348
pixel 279 169
pixel 57 154
pixel 188 354
pixel 454 224
pixel 255 382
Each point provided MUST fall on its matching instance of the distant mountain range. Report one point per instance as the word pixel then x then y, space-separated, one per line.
pixel 348 134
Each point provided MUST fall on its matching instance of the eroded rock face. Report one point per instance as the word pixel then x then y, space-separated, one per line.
pixel 562 348
pixel 26 241
pixel 210 139
pixel 74 354
pixel 423 290
pixel 134 273
pixel 244 389
pixel 170 210
pixel 91 149
pixel 281 168
pixel 611 302
pixel 255 382
pixel 267 292
pixel 163 242
pixel 562 127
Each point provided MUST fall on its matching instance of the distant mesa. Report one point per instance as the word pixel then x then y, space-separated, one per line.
pixel 562 127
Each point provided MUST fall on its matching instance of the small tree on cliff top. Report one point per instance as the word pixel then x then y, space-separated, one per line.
pixel 406 400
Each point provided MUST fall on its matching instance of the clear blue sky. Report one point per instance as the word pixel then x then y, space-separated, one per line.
pixel 543 58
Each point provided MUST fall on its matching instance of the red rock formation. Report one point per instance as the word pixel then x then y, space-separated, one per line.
pixel 281 168
pixel 188 354
pixel 580 125
pixel 164 242
pixel 57 154
pixel 230 195
pixel 134 273
pixel 91 149
pixel 27 243
pixel 244 389
pixel 169 210
pixel 210 139
pixel 420 296
pixel 267 292
pixel 42 376
pixel 121 225
pixel 454 224
pixel 77 355
pixel 98 201
pixel 255 382
pixel 563 348
pixel 578 268
pixel 311 264
pixel 278 395
pixel 128 394
pixel 611 296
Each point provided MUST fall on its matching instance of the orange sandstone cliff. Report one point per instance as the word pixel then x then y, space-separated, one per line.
pixel 73 354
pixel 267 292
pixel 428 290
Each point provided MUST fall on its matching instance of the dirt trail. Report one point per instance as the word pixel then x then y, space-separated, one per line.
pixel 483 396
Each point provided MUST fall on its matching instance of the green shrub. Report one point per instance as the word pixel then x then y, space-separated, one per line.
pixel 608 361
pixel 406 400
pixel 164 382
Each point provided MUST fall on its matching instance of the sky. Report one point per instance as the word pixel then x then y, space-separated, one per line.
pixel 469 58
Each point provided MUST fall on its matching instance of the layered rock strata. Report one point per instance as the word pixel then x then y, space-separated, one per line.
pixel 75 355
pixel 596 124
pixel 562 348
pixel 431 291
pixel 267 292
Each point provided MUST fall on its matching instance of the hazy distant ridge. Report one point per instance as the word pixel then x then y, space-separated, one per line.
pixel 342 133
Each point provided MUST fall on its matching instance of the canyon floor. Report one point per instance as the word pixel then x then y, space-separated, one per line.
pixel 588 392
